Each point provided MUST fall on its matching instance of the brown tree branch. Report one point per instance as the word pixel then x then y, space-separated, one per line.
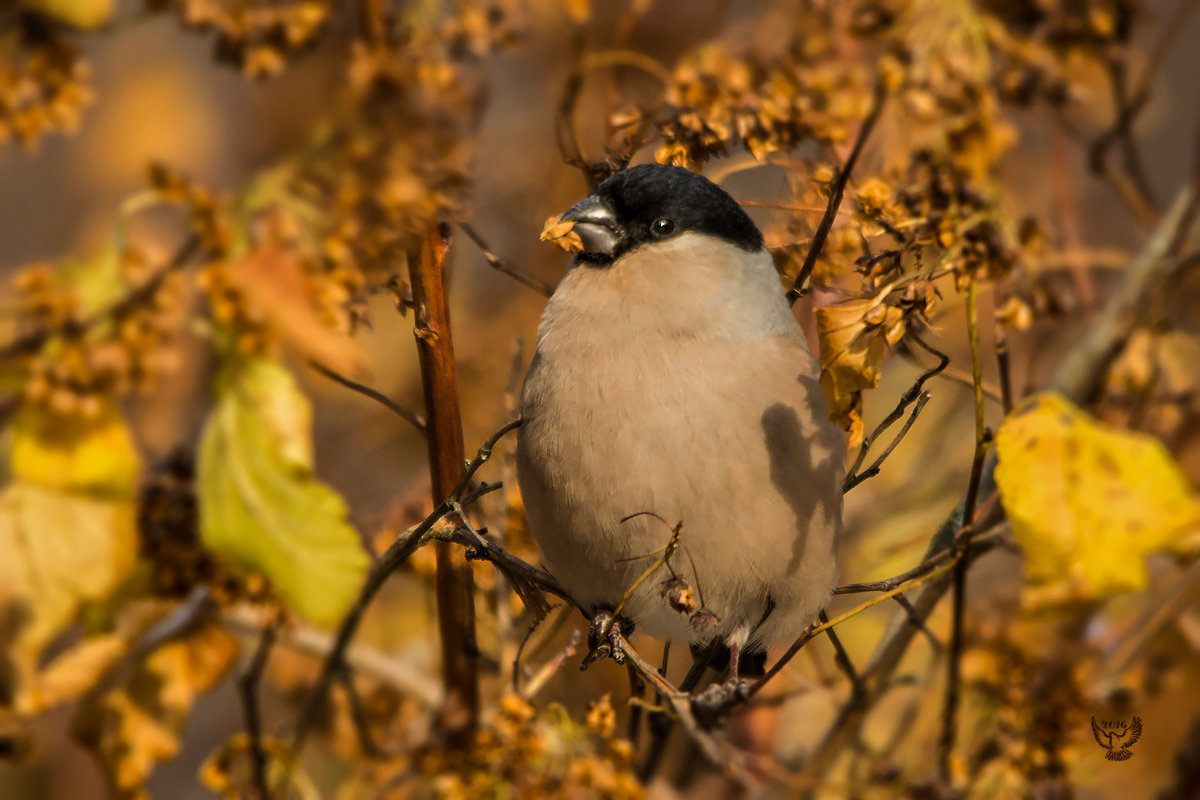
pixel 455 582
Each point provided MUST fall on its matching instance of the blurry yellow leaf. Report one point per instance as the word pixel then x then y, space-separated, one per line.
pixel 59 550
pixel 1087 501
pixel 85 14
pixel 854 338
pixel 96 456
pixel 260 505
pixel 562 234
pixel 133 727
pixel 84 664
pixel 74 672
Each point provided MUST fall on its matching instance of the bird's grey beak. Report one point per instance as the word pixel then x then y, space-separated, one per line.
pixel 596 225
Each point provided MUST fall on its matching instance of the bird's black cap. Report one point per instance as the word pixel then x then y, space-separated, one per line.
pixel 652 202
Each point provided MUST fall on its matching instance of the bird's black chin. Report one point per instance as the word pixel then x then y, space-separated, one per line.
pixel 595 260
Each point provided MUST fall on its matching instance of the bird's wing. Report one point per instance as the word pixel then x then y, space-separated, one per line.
pixel 1134 733
pixel 1097 733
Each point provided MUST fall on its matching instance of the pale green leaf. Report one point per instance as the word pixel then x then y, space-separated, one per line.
pixel 61 550
pixel 261 508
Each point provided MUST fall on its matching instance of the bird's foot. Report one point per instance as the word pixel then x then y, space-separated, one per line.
pixel 604 638
pixel 711 706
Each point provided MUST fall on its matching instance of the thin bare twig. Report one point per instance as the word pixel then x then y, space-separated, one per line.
pixel 501 265
pixel 915 394
pixel 836 190
pixel 1133 185
pixel 1002 364
pixel 248 689
pixel 913 617
pixel 411 417
pixel 548 670
pixel 533 626
pixel 405 545
pixel 815 629
pixel 526 579
pixel 1081 373
pixel 841 657
pixel 930 563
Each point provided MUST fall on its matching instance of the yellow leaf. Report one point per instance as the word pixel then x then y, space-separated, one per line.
pixel 87 662
pixel 96 456
pixel 854 338
pixel 59 551
pixel 261 507
pixel 562 234
pixel 138 724
pixel 85 14
pixel 1088 502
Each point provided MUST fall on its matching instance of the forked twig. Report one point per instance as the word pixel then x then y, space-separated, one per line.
pixel 915 393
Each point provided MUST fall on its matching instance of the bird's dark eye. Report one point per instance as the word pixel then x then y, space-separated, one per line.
pixel 663 227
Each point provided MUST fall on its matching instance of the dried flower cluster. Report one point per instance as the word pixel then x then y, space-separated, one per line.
pixel 44 82
pixel 540 754
pixel 257 38
pixel 104 348
pixel 718 102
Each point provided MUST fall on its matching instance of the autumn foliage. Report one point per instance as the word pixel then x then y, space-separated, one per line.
pixel 219 516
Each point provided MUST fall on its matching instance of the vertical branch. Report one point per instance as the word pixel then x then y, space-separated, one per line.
pixel 455 582
pixel 954 657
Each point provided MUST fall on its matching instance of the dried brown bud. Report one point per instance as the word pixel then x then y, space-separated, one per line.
pixel 679 594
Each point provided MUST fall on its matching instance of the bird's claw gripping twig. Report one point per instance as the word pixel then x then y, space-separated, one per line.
pixel 711 706
pixel 604 638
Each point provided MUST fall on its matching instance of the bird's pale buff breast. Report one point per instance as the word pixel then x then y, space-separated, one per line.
pixel 727 434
